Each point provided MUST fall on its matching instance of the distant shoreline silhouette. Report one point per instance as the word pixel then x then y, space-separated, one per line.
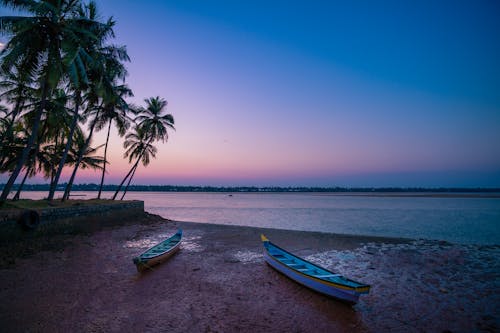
pixel 387 191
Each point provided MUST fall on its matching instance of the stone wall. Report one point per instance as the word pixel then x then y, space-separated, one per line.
pixel 73 219
pixel 129 208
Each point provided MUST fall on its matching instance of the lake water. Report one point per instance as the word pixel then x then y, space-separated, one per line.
pixel 459 220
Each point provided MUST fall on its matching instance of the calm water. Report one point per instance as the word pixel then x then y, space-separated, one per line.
pixel 460 220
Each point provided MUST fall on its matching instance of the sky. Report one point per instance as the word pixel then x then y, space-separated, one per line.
pixel 316 93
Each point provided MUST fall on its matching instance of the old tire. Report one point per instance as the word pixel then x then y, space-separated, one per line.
pixel 29 219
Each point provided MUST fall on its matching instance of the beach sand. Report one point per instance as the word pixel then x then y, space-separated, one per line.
pixel 219 282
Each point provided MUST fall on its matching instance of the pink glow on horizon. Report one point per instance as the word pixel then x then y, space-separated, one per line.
pixel 253 106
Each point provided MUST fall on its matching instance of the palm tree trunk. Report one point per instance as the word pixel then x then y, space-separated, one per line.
pixel 69 142
pixel 28 171
pixel 131 170
pixel 129 180
pixel 26 150
pixel 17 109
pixel 77 164
pixel 18 193
pixel 105 160
pixel 124 179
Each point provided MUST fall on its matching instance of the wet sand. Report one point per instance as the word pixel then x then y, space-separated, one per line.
pixel 219 282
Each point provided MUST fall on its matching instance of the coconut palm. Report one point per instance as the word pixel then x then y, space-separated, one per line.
pixel 17 93
pixel 48 46
pixel 80 61
pixel 16 89
pixel 138 146
pixel 152 125
pixel 104 96
pixel 11 145
pixel 55 124
pixel 30 170
pixel 115 111
pixel 87 160
pixel 6 136
pixel 152 119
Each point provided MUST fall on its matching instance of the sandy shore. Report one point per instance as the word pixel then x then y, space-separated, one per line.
pixel 219 282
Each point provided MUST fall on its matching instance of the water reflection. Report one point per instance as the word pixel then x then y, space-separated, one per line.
pixel 458 220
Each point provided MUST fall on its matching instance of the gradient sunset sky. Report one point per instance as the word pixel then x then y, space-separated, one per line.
pixel 316 93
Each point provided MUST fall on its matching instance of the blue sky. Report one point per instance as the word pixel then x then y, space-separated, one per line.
pixel 321 93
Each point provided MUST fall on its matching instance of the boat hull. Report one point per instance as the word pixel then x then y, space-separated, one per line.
pixel 144 265
pixel 311 275
pixel 314 284
pixel 150 258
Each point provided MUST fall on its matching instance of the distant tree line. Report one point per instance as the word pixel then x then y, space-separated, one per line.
pixel 177 188
pixel 61 81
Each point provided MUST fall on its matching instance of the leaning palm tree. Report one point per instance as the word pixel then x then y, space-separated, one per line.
pixel 34 49
pixel 138 146
pixel 152 125
pixel 87 160
pixel 17 90
pixel 101 99
pixel 79 61
pixel 152 119
pixel 10 142
pixel 30 170
pixel 114 111
pixel 47 46
pixel 13 141
pixel 104 96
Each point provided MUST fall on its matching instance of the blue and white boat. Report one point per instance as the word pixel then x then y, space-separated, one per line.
pixel 312 276
pixel 158 253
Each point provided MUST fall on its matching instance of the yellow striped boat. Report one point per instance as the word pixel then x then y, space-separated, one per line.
pixel 158 253
pixel 311 275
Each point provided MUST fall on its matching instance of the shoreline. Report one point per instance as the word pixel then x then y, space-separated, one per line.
pixel 219 282
pixel 283 233
pixel 361 238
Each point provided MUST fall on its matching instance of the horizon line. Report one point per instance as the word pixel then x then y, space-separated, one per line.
pixel 173 188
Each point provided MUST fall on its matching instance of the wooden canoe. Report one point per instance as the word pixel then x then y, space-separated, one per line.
pixel 158 253
pixel 311 275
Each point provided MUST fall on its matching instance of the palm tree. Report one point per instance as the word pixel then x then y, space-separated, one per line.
pixel 152 119
pixel 81 60
pixel 13 141
pixel 17 90
pixel 114 111
pixel 151 125
pixel 104 96
pixel 86 160
pixel 46 46
pixel 30 170
pixel 9 139
pixel 139 147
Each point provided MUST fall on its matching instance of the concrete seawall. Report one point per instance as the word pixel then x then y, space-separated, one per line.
pixel 76 218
